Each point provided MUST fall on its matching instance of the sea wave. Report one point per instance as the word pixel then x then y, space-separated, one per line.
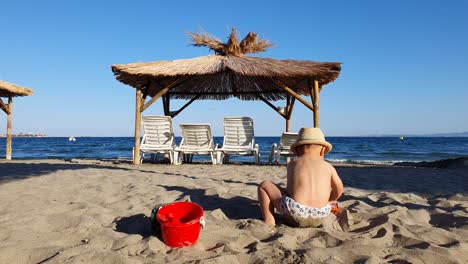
pixel 364 162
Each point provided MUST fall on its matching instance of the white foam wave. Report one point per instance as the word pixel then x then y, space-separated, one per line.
pixel 364 162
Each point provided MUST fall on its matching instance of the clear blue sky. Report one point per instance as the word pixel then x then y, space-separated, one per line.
pixel 405 63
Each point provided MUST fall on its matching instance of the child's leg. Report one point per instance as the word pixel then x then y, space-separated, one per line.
pixel 269 197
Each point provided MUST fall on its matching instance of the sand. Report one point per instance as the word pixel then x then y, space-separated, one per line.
pixel 78 211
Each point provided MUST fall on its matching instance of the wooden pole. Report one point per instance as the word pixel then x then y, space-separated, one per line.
pixel 288 121
pixel 312 97
pixel 165 105
pixel 291 107
pixel 289 113
pixel 8 139
pixel 311 91
pixel 145 90
pixel 136 149
pixel 168 105
pixel 316 103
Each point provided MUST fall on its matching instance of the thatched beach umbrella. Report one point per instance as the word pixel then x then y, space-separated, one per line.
pixel 9 90
pixel 228 73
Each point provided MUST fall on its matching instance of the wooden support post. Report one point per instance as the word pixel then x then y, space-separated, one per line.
pixel 288 115
pixel 316 104
pixel 145 90
pixel 8 138
pixel 165 102
pixel 311 91
pixel 288 121
pixel 168 105
pixel 136 149
pixel 291 107
pixel 294 94
pixel 312 98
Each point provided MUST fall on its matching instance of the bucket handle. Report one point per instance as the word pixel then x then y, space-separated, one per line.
pixel 202 222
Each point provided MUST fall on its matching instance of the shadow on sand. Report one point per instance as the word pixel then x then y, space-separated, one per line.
pixel 136 224
pixel 425 181
pixel 236 207
pixel 18 171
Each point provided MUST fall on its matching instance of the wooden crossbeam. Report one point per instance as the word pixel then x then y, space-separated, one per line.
pixel 185 106
pixel 222 93
pixel 162 92
pixel 271 105
pixel 294 94
pixel 4 107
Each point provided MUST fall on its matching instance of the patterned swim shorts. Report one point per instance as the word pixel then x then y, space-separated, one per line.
pixel 304 216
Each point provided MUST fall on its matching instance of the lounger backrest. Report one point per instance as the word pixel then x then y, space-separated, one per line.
pixel 238 132
pixel 196 136
pixel 287 139
pixel 158 131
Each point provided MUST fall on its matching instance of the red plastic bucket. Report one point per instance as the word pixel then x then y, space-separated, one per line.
pixel 180 223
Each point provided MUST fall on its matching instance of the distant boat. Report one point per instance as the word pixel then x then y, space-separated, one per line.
pixel 401 138
pixel 71 139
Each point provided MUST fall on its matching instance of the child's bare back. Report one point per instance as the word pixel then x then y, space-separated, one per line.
pixel 309 181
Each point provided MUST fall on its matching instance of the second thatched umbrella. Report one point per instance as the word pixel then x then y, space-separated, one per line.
pixel 228 73
pixel 9 90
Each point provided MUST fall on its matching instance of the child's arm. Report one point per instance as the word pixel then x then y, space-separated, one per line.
pixel 337 186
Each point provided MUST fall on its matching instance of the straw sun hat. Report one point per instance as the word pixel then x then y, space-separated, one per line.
pixel 311 136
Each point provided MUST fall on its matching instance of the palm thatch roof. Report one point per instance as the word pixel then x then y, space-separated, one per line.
pixel 228 73
pixel 8 89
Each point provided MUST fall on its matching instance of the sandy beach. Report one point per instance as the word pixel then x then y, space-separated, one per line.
pixel 89 211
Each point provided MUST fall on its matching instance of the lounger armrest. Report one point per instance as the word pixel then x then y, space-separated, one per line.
pixel 272 153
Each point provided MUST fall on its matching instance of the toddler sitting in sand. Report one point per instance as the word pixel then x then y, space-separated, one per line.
pixel 313 185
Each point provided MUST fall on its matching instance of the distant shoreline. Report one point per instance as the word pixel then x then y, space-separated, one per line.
pixel 25 135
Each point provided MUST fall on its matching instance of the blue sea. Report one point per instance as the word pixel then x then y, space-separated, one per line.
pixel 369 150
